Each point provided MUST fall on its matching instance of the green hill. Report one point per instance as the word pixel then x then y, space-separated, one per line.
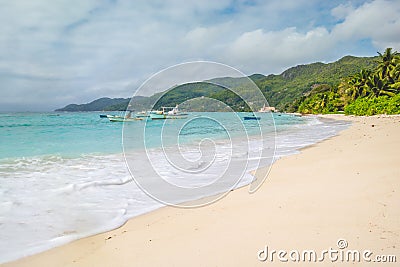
pixel 100 104
pixel 280 90
pixel 191 91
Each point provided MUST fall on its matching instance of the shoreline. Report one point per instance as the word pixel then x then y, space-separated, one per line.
pixel 192 231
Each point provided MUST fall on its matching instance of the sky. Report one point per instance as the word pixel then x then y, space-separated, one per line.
pixel 53 53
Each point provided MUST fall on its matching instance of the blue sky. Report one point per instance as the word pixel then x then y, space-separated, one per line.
pixel 53 53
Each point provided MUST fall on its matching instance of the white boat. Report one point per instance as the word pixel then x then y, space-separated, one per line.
pixel 157 115
pixel 167 113
pixel 128 117
pixel 175 113
pixel 142 114
pixel 122 119
pixel 107 116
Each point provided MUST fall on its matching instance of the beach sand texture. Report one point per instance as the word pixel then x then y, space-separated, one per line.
pixel 346 187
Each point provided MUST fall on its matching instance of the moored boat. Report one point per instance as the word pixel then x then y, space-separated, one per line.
pixel 122 119
pixel 157 115
pixel 108 116
pixel 252 117
pixel 142 114
pixel 167 113
pixel 176 112
pixel 128 117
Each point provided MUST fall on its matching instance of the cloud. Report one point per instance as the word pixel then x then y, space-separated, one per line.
pixel 276 50
pixel 378 20
pixel 342 10
pixel 57 52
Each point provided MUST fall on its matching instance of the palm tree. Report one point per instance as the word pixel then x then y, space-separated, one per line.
pixel 387 63
pixel 395 76
pixel 385 80
pixel 323 101
pixel 356 86
pixel 379 86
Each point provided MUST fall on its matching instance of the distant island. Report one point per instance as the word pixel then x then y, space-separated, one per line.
pixel 354 85
pixel 101 104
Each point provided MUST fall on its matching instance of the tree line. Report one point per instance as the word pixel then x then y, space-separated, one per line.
pixel 367 92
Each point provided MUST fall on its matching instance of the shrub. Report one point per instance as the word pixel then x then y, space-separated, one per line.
pixel 374 105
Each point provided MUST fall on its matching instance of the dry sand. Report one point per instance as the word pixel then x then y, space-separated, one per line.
pixel 345 187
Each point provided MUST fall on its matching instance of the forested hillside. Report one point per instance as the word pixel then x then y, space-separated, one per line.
pixel 368 91
pixel 285 91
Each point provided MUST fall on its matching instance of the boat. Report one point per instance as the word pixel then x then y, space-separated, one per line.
pixel 108 116
pixel 167 113
pixel 157 115
pixel 175 113
pixel 128 117
pixel 252 117
pixel 122 119
pixel 142 114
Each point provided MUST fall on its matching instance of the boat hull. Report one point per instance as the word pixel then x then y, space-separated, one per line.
pixel 121 119
pixel 158 116
pixel 174 117
pixel 251 118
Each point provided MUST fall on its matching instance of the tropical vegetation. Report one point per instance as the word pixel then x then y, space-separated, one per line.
pixel 367 92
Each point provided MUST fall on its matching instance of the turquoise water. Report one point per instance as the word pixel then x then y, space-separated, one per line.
pixel 75 134
pixel 63 176
pixel 67 134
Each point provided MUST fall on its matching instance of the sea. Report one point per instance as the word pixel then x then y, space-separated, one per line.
pixel 65 176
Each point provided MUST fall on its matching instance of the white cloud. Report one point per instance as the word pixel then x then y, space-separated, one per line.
pixel 342 10
pixel 74 52
pixel 277 50
pixel 378 21
pixel 206 42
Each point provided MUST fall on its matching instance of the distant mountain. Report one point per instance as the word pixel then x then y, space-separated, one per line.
pixel 280 90
pixel 100 104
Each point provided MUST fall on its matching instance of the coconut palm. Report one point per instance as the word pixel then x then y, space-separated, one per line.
pixel 379 86
pixel 387 63
pixel 395 76
pixel 385 81
pixel 356 86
